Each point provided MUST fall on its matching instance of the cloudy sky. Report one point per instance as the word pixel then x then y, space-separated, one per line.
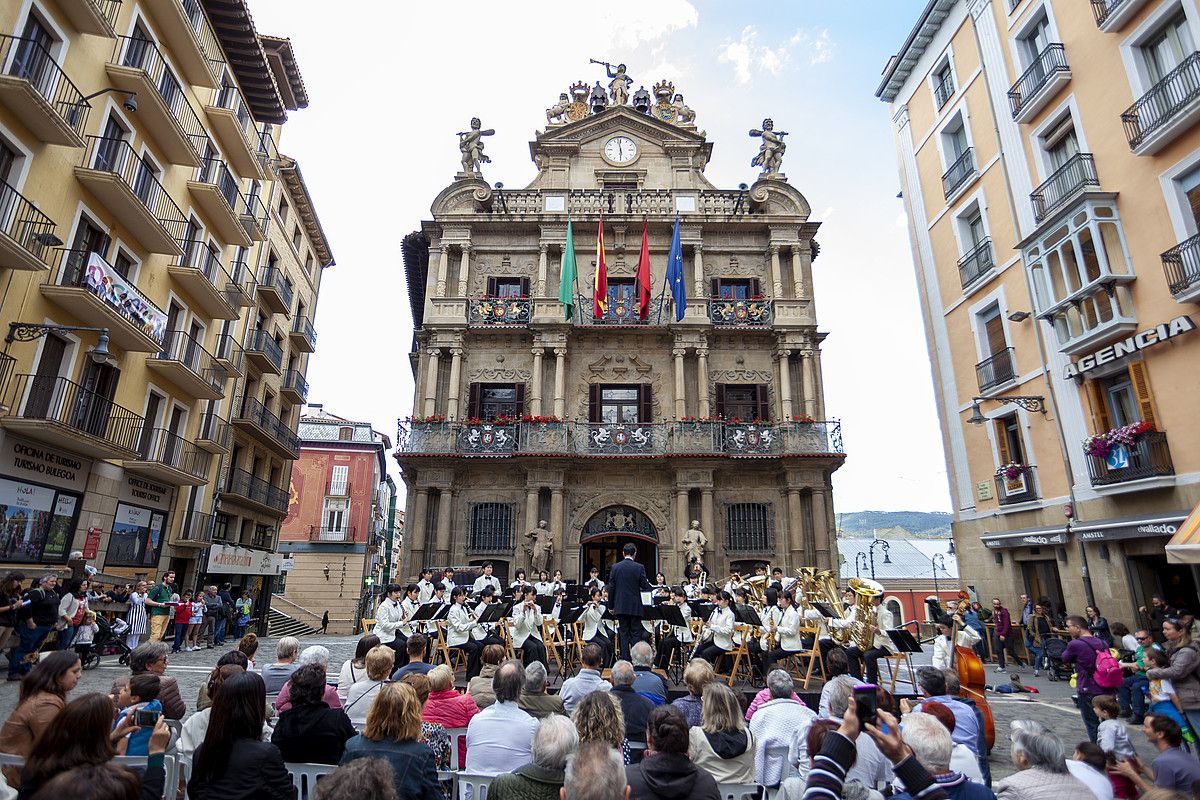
pixel 390 83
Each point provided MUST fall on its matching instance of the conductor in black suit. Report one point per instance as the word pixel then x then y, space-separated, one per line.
pixel 626 583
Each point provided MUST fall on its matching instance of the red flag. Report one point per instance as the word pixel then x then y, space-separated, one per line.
pixel 600 279
pixel 643 276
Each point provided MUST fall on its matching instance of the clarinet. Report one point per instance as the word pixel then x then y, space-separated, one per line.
pixel 703 637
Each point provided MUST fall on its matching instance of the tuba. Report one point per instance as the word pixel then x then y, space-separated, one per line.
pixel 862 630
pixel 820 586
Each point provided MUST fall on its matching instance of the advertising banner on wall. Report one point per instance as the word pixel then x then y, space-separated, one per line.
pixel 137 535
pixel 114 289
pixel 227 559
pixel 36 522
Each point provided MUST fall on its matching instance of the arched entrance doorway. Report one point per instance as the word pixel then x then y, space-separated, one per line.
pixel 607 532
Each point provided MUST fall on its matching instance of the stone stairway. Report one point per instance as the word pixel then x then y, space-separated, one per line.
pixel 280 624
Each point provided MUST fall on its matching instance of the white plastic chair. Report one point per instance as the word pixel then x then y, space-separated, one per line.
pixel 304 777
pixel 776 753
pixel 469 786
pixel 458 743
pixel 737 791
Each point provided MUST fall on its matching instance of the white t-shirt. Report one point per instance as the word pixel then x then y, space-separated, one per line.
pixel 1095 780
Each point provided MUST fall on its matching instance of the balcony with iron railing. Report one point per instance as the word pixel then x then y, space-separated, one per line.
pixel 956 177
pixel 1170 107
pixel 274 291
pixel 36 90
pixel 130 191
pixel 96 17
pixel 943 90
pixel 229 354
pixel 294 387
pixel 196 528
pixel 976 262
pixel 652 439
pixel 246 489
pixel 254 218
pixel 243 288
pixel 1181 266
pixel 1039 82
pixel 303 335
pixel 269 429
pixel 495 312
pixel 216 192
pixel 746 312
pixel 264 353
pixel 1148 458
pixel 137 65
pixel 1020 488
pixel 8 367
pixel 201 275
pixel 1076 175
pixel 229 115
pixel 64 414
pixel 191 40
pixel 997 369
pixel 194 371
pixel 168 457
pixel 26 234
pixel 96 294
pixel 344 533
pixel 1111 15
pixel 589 204
pixel 215 434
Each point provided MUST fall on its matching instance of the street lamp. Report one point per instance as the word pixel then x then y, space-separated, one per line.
pixel 939 562
pixel 886 558
pixel 860 563
pixel 1025 401
pixel 31 331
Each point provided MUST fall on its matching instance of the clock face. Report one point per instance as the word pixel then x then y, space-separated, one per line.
pixel 620 149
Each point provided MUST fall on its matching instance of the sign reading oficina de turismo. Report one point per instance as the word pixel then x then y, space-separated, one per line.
pixel 1139 341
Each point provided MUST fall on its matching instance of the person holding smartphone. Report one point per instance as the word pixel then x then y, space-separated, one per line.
pixel 141 710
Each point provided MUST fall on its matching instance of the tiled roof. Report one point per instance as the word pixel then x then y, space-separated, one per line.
pixel 909 559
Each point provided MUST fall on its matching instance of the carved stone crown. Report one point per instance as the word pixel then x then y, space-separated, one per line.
pixel 663 90
pixel 579 91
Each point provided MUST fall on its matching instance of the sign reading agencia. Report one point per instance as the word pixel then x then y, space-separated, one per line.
pixel 1139 341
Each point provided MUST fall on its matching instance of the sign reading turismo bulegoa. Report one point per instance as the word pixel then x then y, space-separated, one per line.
pixel 1139 341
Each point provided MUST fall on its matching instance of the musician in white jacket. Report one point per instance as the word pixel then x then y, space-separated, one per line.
pixel 486 579
pixel 718 631
pixel 389 616
pixel 461 630
pixel 526 624
pixel 409 606
pixel 593 629
pixel 787 633
pixel 680 637
pixel 943 652
pixel 425 586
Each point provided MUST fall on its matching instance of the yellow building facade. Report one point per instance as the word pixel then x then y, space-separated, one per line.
pixel 1050 170
pixel 160 262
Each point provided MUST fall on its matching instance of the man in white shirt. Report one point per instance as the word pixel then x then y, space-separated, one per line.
pixel 500 738
pixel 775 724
pixel 486 579
pixel 871 768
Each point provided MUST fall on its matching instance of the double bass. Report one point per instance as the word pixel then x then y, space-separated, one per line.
pixel 972 676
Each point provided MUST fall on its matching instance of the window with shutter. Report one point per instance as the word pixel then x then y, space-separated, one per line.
pixel 743 401
pixel 1097 406
pixel 720 404
pixel 645 403
pixel 594 412
pixel 1008 440
pixel 619 403
pixel 764 406
pixel 1141 391
pixel 338 480
pixel 473 409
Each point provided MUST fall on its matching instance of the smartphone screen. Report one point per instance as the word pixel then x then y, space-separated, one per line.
pixel 145 719
pixel 866 700
pixel 25 602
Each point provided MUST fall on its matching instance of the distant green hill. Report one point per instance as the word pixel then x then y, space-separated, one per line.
pixel 932 524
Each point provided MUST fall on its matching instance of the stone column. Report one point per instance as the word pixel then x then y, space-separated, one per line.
pixel 464 269
pixel 443 269
pixel 821 529
pixel 531 509
pixel 445 510
pixel 818 387
pixel 560 382
pixel 798 274
pixel 558 521
pixel 698 266
pixel 431 379
pixel 702 381
pixel 543 268
pixel 796 543
pixel 785 385
pixel 456 354
pixel 776 273
pixel 535 384
pixel 680 392
pixel 707 521
pixel 415 533
pixel 810 383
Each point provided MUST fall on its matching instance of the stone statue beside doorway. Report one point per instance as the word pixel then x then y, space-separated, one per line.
pixel 539 547
pixel 694 541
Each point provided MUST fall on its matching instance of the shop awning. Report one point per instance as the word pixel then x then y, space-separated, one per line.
pixel 1033 537
pixel 1141 527
pixel 1184 547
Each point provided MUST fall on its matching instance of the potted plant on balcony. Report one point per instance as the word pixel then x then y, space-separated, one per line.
pixel 1011 471
pixel 1101 445
pixel 543 433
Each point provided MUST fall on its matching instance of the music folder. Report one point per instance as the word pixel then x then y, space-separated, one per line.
pixel 442 611
pixel 904 640
pixel 672 615
pixel 570 614
pixel 495 612
pixel 825 610
pixel 746 615
pixel 701 609
pixel 546 603
pixel 426 611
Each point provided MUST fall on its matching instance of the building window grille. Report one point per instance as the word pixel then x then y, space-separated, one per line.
pixel 338 479
pixel 748 527
pixel 491 527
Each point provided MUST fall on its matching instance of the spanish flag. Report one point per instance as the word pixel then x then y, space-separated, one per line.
pixel 600 279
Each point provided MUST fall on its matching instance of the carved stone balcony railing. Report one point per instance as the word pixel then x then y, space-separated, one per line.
pixel 651 439
pixel 586 203
pixel 1037 84
pixel 977 261
pixel 997 369
pixel 498 311
pixel 1181 265
pixel 1149 457
pixel 1077 174
pixel 1170 106
pixel 755 312
pixel 1020 489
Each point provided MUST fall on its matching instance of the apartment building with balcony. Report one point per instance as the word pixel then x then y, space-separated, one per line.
pixel 611 427
pixel 1050 170
pixel 336 529
pixel 138 159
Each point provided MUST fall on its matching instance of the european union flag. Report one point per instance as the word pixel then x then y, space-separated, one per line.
pixel 675 278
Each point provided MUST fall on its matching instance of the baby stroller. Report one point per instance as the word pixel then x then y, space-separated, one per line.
pixel 1056 670
pixel 107 642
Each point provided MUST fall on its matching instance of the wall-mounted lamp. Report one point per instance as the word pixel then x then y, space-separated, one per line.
pixel 1027 402
pixel 130 102
pixel 30 331
pixel 1019 316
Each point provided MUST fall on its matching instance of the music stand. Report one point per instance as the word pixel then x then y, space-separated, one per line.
pixel 826 610
pixel 546 603
pixel 495 612
pixel 673 616
pixel 906 644
pixel 701 609
pixel 747 615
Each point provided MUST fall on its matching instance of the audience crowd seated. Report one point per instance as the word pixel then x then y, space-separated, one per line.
pixel 309 730
pixel 319 656
pixel 392 733
pixel 667 772
pixel 152 657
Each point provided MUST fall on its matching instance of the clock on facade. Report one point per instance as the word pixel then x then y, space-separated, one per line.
pixel 620 149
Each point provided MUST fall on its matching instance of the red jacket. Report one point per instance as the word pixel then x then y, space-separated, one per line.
pixel 451 710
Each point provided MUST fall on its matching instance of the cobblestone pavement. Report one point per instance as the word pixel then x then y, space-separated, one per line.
pixel 1052 707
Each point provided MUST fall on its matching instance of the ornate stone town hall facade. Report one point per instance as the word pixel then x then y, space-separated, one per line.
pixel 615 429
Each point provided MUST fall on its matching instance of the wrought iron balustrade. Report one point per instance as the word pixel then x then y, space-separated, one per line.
pixel 1075 175
pixel 943 90
pixel 118 157
pixel 83 269
pixel 64 402
pixel 1181 264
pixel 28 59
pixel 161 446
pixel 499 310
pixel 143 54
pixel 1050 62
pixel 243 484
pixel 343 533
pixel 196 527
pixel 262 342
pixel 962 169
pixel 997 369
pixel 1021 488
pixel 1165 101
pixel 277 429
pixel 486 439
pixel 294 380
pixel 751 312
pixel 1149 457
pixel 181 346
pixel 272 279
pixel 978 260
pixel 21 221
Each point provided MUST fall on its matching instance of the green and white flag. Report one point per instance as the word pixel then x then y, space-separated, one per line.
pixel 566 283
